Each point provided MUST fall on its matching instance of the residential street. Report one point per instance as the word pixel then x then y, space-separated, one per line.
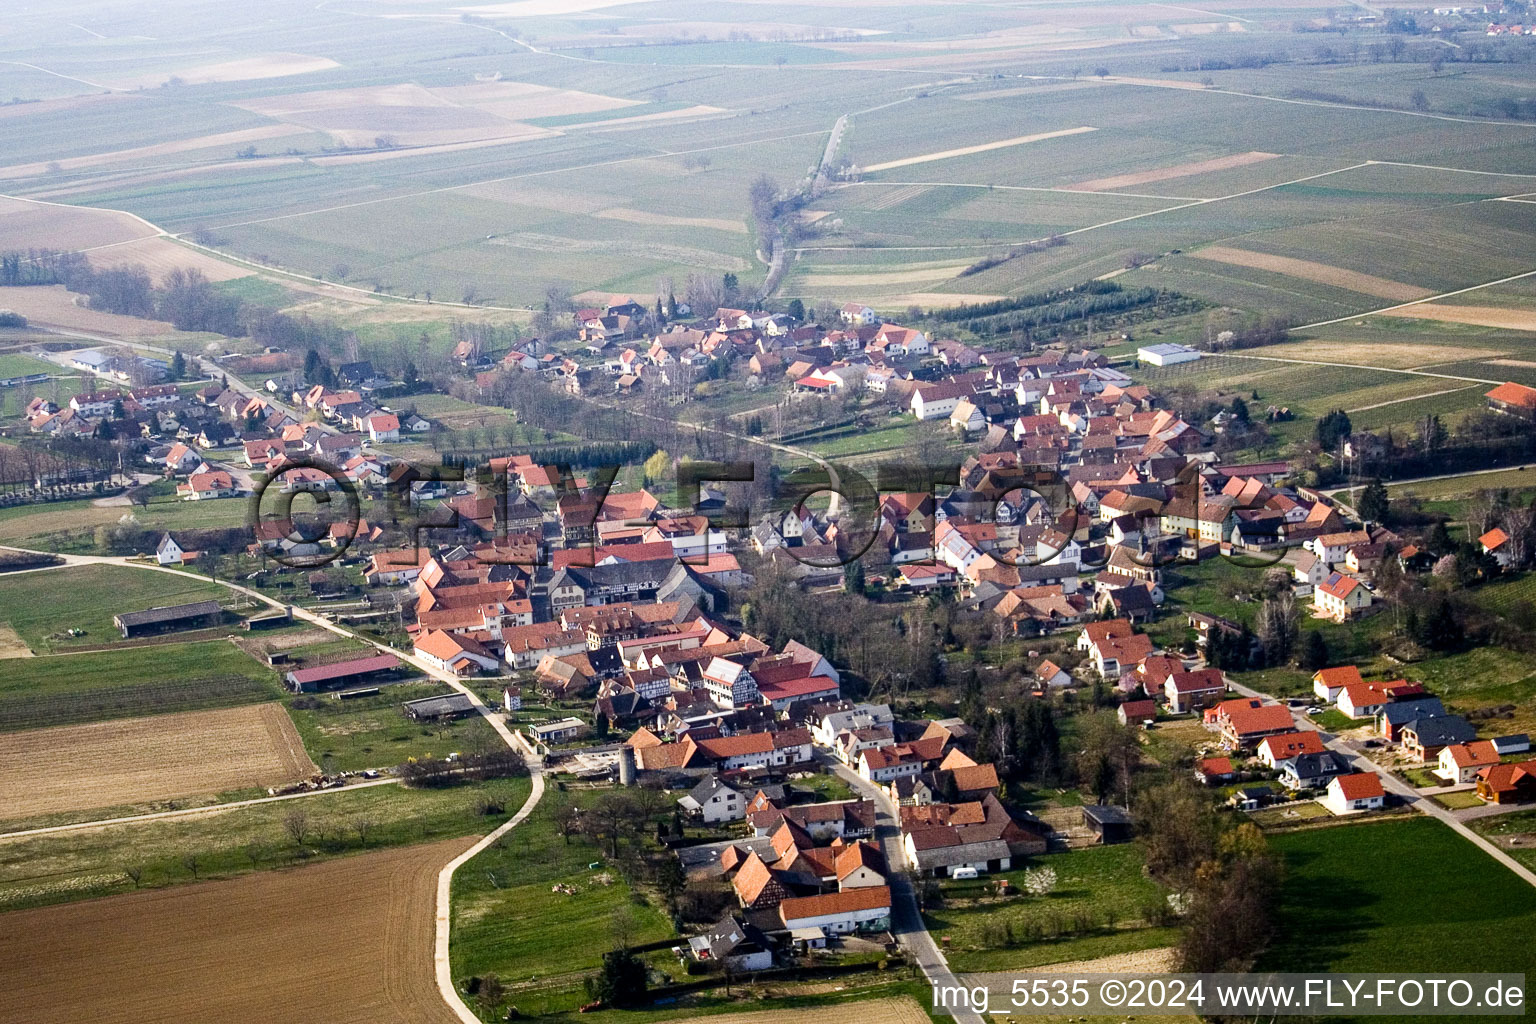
pixel 906 919
pixel 1392 784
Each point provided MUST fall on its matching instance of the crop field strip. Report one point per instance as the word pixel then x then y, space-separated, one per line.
pixel 153 954
pixel 72 768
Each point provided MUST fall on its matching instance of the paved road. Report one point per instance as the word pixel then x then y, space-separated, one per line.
pixel 441 959
pixel 906 919
pixel 1392 784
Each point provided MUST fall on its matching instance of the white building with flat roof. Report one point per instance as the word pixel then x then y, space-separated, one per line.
pixel 1167 354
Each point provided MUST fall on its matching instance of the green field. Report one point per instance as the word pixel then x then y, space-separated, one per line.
pixel 1092 885
pixel 509 219
pixel 372 732
pixel 67 689
pixel 15 365
pixel 41 606
pixel 507 919
pixel 1383 896
pixel 78 865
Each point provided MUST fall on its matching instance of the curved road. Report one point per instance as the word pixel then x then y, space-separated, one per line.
pixel 442 962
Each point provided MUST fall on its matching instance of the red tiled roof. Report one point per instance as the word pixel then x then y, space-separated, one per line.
pixel 1514 394
pixel 801 907
pixel 1360 786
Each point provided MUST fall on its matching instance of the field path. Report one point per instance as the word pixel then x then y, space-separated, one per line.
pixel 1388 310
pixel 186 812
pixel 442 932
pixel 1367 366
pixel 1411 398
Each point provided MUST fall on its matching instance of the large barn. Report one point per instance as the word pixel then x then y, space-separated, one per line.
pixel 168 619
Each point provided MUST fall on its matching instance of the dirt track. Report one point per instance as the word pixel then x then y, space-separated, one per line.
pixel 103 764
pixel 344 942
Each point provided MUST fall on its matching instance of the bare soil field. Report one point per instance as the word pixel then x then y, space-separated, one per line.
pixel 348 941
pixel 985 147
pixel 53 306
pixel 161 255
pixel 1479 316
pixel 11 644
pixel 103 764
pixel 518 101
pixel 1392 356
pixel 24 224
pixel 236 138
pixel 661 219
pixel 245 69
pixel 1308 270
pixel 1144 961
pixel 1223 163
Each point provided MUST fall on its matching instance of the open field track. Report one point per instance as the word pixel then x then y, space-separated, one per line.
pixel 984 147
pixel 135 760
pixel 1164 173
pixel 1308 270
pixel 349 941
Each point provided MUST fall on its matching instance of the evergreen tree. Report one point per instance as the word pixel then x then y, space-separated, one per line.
pixel 1314 651
pixel 178 366
pixel 853 577
pixel 1374 504
pixel 621 981
pixel 797 310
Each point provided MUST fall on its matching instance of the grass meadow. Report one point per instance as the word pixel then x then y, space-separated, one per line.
pixel 38 870
pixel 40 606
pixel 1379 898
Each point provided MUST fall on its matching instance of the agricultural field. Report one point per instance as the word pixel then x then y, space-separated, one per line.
pixel 151 954
pixel 41 607
pixel 103 764
pixel 72 525
pixel 608 161
pixel 230 841
pixel 372 732
pixel 131 682
pixel 1378 897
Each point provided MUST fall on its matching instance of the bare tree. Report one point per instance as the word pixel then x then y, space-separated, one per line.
pixel 296 824
pixel 191 862
pixel 363 825
pixel 135 875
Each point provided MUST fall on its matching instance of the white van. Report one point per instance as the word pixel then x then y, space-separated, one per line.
pixel 963 872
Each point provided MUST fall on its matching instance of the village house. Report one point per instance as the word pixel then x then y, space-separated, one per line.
pixel 1350 794
pixel 1460 762
pixel 1340 598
